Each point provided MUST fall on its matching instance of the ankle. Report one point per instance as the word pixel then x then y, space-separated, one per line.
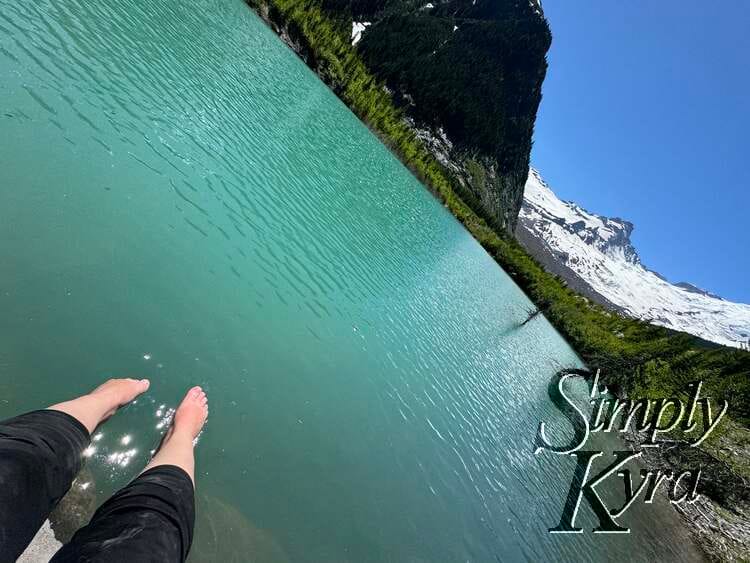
pixel 181 435
pixel 105 397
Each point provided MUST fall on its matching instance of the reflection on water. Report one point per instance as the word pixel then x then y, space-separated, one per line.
pixel 181 199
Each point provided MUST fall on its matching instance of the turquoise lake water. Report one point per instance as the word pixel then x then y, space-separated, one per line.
pixel 182 199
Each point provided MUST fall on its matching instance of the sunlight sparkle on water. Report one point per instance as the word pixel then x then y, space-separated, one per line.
pixel 122 458
pixel 164 415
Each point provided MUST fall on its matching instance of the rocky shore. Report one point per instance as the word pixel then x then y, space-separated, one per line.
pixel 720 518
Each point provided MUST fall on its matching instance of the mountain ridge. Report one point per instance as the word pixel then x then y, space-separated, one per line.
pixel 595 256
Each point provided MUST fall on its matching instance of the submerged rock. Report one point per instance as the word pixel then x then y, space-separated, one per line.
pixel 224 534
pixel 73 512
pixel 76 508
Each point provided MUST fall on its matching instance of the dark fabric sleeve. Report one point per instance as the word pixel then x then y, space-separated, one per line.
pixel 151 519
pixel 40 455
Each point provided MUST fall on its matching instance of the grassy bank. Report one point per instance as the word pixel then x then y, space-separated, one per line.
pixel 640 358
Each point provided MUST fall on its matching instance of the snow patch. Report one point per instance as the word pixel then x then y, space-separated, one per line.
pixel 357 29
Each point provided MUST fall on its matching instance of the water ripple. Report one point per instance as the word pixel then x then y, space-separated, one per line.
pixel 206 196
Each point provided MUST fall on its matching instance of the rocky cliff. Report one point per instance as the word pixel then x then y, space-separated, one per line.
pixel 466 75
pixel 469 73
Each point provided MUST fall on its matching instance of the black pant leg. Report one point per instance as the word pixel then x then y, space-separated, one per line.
pixel 151 519
pixel 40 455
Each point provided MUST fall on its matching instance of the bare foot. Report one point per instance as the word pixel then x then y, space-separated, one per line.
pixel 118 392
pixel 177 446
pixel 94 408
pixel 192 413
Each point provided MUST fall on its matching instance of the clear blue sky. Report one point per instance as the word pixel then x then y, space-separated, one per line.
pixel 646 116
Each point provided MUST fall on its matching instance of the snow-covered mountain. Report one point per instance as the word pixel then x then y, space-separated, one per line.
pixel 595 256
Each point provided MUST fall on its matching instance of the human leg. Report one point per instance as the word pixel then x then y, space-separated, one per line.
pixel 40 455
pixel 152 518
